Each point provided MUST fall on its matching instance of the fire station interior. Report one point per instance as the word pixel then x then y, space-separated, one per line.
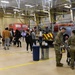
pixel 49 16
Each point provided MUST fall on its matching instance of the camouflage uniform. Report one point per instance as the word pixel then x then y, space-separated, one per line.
pixel 71 43
pixel 57 43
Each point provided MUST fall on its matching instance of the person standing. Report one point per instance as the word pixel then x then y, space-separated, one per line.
pixel 71 43
pixel 28 40
pixel 6 37
pixel 33 37
pixel 17 38
pixel 57 44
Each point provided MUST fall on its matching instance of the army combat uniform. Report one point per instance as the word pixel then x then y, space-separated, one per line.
pixel 57 43
pixel 71 43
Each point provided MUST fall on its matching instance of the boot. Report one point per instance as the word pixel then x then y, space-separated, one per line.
pixel 17 46
pixel 59 65
pixel 72 67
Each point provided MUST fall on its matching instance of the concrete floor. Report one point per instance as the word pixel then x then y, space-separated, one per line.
pixel 17 61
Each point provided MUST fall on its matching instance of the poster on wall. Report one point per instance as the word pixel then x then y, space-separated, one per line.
pixel 18 26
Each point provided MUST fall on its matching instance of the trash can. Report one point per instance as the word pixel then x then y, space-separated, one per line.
pixel 44 52
pixel 36 53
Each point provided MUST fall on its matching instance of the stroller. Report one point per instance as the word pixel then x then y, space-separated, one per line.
pixel 68 56
pixel 68 60
pixel 66 48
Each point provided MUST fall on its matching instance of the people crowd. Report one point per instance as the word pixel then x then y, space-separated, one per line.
pixel 61 41
pixel 65 42
pixel 11 37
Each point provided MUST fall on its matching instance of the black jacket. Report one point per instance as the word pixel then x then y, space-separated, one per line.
pixel 28 38
pixel 17 34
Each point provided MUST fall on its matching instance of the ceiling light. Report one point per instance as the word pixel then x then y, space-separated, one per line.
pixel 67 6
pixel 16 10
pixel 22 14
pixel 5 2
pixel 50 0
pixel 27 5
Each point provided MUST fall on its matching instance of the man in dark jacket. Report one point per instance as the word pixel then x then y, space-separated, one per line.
pixel 28 40
pixel 17 37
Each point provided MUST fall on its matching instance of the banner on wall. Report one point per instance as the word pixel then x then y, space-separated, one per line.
pixel 18 26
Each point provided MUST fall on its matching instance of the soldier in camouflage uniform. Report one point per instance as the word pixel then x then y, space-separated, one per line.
pixel 71 43
pixel 57 43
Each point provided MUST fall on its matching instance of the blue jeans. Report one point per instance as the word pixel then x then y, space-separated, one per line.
pixel 6 42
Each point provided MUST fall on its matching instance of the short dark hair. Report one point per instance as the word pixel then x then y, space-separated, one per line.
pixel 6 28
pixel 73 31
pixel 63 28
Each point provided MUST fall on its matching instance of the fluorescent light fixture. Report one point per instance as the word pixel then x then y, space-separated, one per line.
pixel 5 2
pixel 16 10
pixel 50 0
pixel 65 4
pixel 22 14
pixel 27 5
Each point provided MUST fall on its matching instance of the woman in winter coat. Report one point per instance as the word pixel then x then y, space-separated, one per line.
pixel 17 37
pixel 29 40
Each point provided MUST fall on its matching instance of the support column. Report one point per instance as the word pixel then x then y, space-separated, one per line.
pixel 53 15
pixel 18 3
pixel 37 19
pixel 72 15
pixel 1 24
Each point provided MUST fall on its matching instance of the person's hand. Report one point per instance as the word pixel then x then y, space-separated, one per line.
pixel 66 41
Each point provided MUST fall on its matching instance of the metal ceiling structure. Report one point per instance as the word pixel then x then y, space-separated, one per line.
pixel 30 6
